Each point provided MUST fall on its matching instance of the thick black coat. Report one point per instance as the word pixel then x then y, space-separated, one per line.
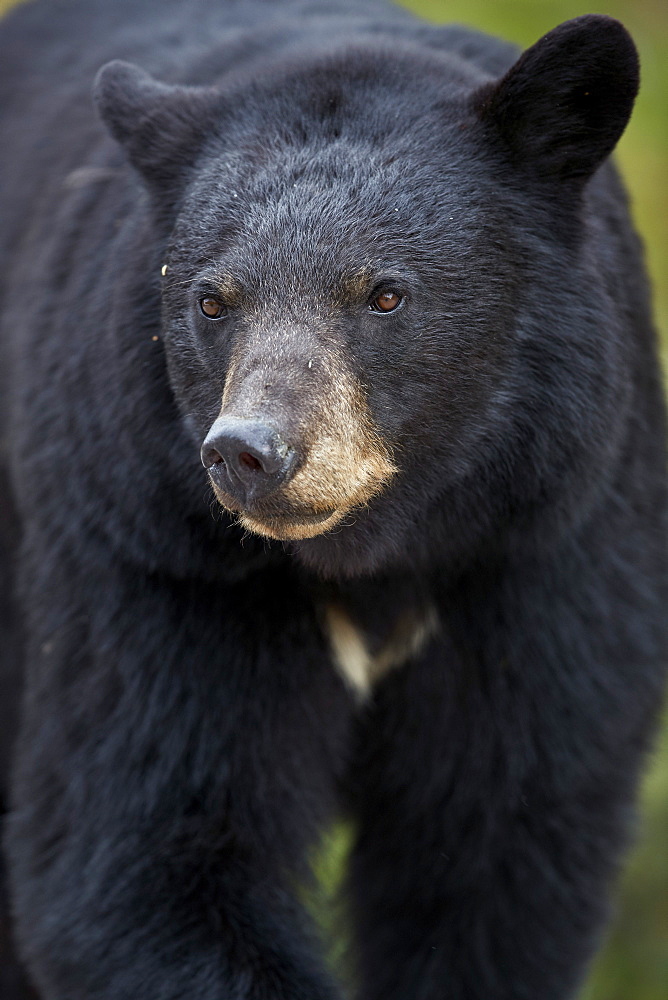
pixel 437 604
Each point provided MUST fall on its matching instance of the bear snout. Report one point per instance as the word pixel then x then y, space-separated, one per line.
pixel 247 459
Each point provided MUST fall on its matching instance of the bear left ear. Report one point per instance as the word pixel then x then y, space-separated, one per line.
pixel 561 108
pixel 161 126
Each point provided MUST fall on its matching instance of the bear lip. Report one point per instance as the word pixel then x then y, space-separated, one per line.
pixel 285 530
pixel 283 525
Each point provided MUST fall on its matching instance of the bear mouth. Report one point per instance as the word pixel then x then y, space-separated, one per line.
pixel 281 521
pixel 291 529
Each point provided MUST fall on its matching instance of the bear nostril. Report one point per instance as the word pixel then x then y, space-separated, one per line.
pixel 211 457
pixel 250 461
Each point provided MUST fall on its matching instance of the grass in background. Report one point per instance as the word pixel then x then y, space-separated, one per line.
pixel 634 965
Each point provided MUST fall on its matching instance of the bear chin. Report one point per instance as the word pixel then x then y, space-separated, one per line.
pixel 282 521
pixel 283 530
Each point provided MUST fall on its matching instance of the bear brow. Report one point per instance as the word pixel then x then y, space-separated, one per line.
pixel 352 287
pixel 229 287
pixel 356 285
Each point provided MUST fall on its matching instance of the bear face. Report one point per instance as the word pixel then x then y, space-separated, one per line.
pixel 332 332
pixel 352 297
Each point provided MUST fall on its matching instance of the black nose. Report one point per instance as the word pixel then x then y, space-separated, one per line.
pixel 247 458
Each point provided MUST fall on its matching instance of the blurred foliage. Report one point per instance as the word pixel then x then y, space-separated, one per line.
pixel 634 964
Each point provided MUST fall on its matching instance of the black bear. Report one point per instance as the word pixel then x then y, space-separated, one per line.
pixel 378 278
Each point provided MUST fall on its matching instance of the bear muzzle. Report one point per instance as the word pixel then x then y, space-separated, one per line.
pixel 250 463
pixel 290 464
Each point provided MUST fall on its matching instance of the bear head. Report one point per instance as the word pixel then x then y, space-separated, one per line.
pixel 386 320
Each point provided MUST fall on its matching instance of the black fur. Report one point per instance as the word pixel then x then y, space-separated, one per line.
pixel 185 734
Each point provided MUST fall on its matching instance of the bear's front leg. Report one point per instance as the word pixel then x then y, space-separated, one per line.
pixel 493 788
pixel 178 751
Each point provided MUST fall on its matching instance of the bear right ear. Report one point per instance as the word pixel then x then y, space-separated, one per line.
pixel 161 126
pixel 561 108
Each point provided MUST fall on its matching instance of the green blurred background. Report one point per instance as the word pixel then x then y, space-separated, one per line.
pixel 634 963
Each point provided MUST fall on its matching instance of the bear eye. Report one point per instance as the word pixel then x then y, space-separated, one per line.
pixel 386 301
pixel 211 307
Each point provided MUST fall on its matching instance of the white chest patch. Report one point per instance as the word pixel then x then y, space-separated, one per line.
pixel 358 665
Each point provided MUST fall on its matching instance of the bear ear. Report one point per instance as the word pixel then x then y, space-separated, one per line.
pixel 161 126
pixel 563 105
